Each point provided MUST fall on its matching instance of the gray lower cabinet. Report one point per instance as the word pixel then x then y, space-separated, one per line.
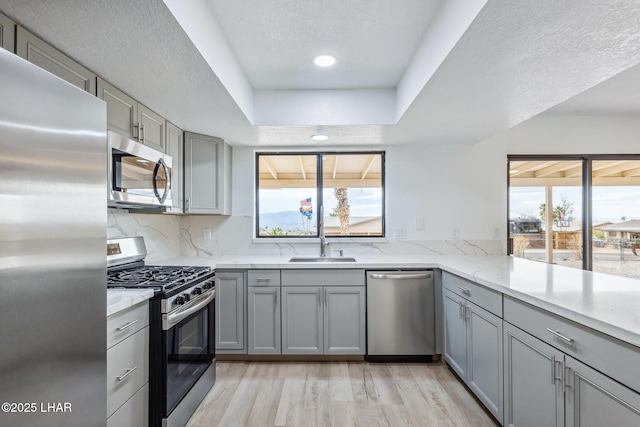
pixel 230 312
pixel 302 320
pixel 532 381
pixel 473 349
pixel 546 385
pixel 128 367
pixel 264 320
pixel 344 324
pixel 207 175
pixel 175 148
pixel 45 56
pixel 323 312
pixel 128 117
pixel 7 33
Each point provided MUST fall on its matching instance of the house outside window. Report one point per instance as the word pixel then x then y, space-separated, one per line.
pixel 293 190
pixel 588 208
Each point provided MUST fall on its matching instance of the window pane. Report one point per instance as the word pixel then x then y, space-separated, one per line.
pixel 352 194
pixel 554 233
pixel 616 217
pixel 287 195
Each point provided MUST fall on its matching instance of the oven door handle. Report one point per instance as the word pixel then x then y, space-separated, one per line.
pixel 172 319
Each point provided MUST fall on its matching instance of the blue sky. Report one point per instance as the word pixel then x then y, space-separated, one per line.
pixel 609 203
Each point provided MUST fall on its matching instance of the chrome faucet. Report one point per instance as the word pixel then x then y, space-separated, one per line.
pixel 323 240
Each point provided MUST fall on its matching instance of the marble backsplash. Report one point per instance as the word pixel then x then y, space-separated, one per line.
pixel 171 236
pixel 233 236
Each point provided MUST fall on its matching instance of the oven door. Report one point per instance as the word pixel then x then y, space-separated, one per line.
pixel 189 348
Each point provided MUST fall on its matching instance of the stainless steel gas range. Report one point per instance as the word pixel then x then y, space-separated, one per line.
pixel 182 342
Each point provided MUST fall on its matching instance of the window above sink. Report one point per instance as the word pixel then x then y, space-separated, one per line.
pixel 292 188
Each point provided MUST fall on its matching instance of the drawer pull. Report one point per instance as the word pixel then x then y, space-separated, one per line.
pixel 263 279
pixel 465 290
pixel 562 337
pixel 126 374
pixel 127 325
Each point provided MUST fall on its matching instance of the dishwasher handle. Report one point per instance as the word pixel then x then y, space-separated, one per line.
pixel 400 276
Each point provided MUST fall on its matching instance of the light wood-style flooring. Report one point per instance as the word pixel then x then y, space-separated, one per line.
pixel 339 394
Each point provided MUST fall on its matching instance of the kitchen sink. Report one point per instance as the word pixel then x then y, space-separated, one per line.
pixel 322 259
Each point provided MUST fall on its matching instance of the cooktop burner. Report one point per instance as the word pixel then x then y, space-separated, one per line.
pixel 158 277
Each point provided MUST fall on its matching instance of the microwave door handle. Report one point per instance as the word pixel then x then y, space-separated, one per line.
pixel 163 165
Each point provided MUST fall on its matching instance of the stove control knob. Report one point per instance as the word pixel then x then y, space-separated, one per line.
pixel 206 285
pixel 179 300
pixel 186 297
pixel 197 291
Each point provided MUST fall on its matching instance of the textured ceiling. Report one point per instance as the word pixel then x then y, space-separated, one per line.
pixel 275 41
pixel 515 60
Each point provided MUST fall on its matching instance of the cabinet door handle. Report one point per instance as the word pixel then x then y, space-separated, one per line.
pixel 126 374
pixel 556 365
pixel 562 337
pixel 127 325
pixel 460 310
pixel 142 133
pixel 465 291
pixel 187 204
pixel 566 377
pixel 275 299
pixel 466 312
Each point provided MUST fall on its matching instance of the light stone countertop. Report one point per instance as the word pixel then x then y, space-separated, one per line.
pixel 121 299
pixel 609 304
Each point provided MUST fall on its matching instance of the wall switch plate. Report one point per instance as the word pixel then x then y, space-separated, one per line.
pixel 206 234
pixel 419 223
pixel 496 233
pixel 455 233
pixel 401 233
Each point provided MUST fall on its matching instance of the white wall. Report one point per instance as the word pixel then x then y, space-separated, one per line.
pixel 461 187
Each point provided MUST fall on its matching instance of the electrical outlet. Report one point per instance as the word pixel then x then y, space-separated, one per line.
pixel 419 223
pixel 401 233
pixel 206 234
pixel 496 233
pixel 455 233
pixel 138 233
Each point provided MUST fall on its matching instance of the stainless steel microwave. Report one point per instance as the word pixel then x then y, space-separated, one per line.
pixel 139 176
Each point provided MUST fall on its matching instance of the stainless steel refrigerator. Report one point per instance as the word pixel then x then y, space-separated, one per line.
pixel 53 215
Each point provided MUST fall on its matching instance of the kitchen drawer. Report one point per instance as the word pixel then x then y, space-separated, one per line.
pixel 131 353
pixel 126 322
pixel 328 277
pixel 587 345
pixel 264 278
pixel 134 413
pixel 484 297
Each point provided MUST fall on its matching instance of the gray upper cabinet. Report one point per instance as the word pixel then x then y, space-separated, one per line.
pixel 151 129
pixel 207 175
pixel 175 148
pixel 122 110
pixel 36 51
pixel 230 312
pixel 128 117
pixel 7 33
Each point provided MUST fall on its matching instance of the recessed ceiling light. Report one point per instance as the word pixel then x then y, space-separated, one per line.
pixel 324 60
pixel 319 137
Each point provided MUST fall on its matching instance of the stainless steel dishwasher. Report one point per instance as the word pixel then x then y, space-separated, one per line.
pixel 400 315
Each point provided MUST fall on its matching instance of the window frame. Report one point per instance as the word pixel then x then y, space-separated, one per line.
pixel 319 191
pixel 586 184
